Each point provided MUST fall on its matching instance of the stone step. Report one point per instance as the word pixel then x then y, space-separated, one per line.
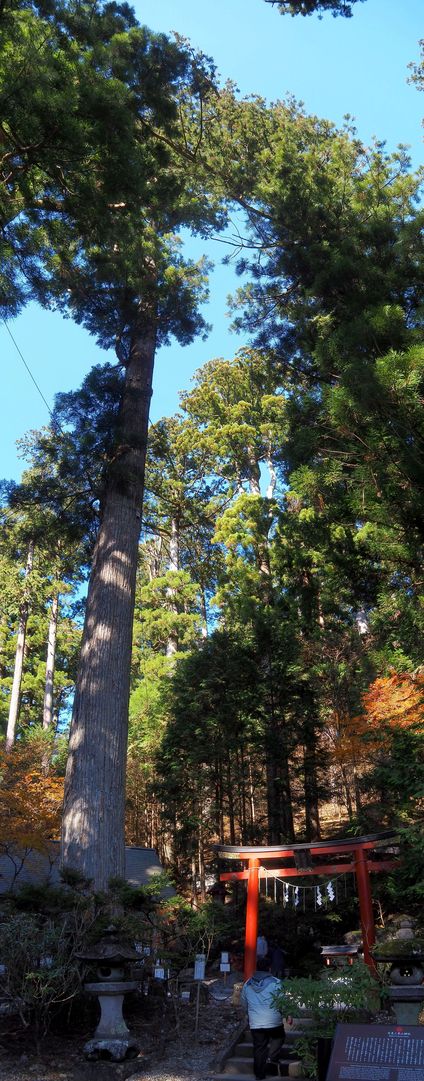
pixel 239 1065
pixel 244 1066
pixel 291 1069
pixel 245 1049
pixel 228 1076
pixel 289 1038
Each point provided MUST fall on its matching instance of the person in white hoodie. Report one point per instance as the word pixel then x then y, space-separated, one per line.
pixel 265 1020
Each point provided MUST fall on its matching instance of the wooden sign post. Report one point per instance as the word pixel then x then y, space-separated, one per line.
pixel 199 975
pixel 225 965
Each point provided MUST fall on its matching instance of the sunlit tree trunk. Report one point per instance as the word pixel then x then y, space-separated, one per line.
pixel 174 562
pixel 50 664
pixel 19 658
pixel 94 802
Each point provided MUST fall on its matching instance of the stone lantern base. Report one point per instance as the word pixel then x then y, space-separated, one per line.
pixel 407 1002
pixel 112 1038
pixel 117 1050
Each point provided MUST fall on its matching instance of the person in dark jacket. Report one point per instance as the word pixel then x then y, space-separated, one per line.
pixel 265 1020
pixel 277 955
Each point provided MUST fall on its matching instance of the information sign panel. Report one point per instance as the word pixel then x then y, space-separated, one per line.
pixel 199 966
pixel 377 1053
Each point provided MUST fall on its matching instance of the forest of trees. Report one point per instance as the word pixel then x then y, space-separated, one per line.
pixel 254 619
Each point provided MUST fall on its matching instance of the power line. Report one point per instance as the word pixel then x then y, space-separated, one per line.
pixel 28 368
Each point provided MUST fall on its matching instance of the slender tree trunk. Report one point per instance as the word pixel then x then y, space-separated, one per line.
pixel 252 808
pixel 346 786
pixel 279 799
pixel 204 611
pixel 358 801
pixel 50 664
pixel 219 800
pixel 94 801
pixel 230 796
pixel 272 476
pixel 19 658
pixel 241 770
pixel 287 821
pixel 174 562
pixel 254 474
pixel 194 895
pixel 312 821
pixel 201 857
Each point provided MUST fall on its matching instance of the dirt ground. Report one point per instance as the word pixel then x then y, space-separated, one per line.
pixel 170 1048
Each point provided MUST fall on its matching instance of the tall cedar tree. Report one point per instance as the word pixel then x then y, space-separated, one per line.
pixel 109 254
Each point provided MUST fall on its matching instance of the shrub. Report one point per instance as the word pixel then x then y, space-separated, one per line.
pixel 340 995
pixel 41 971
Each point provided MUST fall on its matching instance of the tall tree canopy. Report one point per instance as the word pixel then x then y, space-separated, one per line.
pixel 101 242
pixel 309 7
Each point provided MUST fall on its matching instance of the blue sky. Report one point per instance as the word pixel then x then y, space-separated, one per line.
pixel 335 66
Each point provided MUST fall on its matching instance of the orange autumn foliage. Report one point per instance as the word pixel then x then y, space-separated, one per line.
pixel 30 801
pixel 348 738
pixel 396 701
pixel 391 702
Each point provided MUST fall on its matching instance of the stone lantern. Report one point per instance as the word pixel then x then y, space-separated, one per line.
pixel 112 1039
pixel 406 990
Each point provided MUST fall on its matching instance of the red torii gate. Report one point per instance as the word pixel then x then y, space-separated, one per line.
pixel 359 861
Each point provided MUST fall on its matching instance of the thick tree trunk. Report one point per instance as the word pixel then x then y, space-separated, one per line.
pixel 19 659
pixel 94 802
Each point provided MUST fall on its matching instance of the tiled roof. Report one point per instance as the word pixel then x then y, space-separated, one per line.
pixel 141 865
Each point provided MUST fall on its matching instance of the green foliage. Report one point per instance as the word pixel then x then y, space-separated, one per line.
pixel 188 932
pixel 140 897
pixel 44 899
pixel 41 968
pixel 337 997
pixel 56 571
pixel 399 947
pixel 309 7
pixel 57 109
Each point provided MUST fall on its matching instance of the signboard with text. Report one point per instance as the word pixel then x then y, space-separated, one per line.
pixel 199 966
pixel 377 1053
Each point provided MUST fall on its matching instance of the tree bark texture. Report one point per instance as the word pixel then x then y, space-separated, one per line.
pixel 50 664
pixel 19 659
pixel 173 565
pixel 310 772
pixel 94 802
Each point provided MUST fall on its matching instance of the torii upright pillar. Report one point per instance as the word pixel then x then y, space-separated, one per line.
pixel 365 906
pixel 252 910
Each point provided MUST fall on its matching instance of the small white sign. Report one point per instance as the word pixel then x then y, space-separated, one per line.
pixel 225 957
pixel 225 967
pixel 159 973
pixel 199 966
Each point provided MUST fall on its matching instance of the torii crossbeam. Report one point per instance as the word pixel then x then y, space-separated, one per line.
pixel 360 856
